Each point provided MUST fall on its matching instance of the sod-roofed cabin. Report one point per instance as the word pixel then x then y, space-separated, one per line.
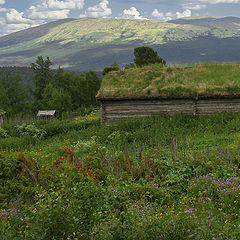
pixel 154 90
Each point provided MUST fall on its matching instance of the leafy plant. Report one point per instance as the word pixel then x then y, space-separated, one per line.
pixel 157 178
pixel 30 130
pixel 3 133
pixel 113 67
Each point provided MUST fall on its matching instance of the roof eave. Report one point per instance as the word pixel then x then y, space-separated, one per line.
pixel 194 97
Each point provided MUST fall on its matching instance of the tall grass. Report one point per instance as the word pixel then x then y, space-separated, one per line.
pixel 156 178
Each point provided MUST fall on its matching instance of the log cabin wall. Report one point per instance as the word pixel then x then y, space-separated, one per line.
pixel 208 106
pixel 113 110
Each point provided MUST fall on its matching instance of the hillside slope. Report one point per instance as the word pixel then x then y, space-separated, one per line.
pixel 83 44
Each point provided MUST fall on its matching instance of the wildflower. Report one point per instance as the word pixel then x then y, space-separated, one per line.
pixel 188 210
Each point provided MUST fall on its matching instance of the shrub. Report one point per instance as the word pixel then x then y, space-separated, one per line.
pixel 30 130
pixel 113 67
pixel 53 128
pixel 12 181
pixel 3 133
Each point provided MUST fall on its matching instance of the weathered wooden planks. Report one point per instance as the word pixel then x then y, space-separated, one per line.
pixel 113 110
pixel 217 105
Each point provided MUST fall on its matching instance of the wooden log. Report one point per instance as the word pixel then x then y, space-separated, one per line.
pixel 123 109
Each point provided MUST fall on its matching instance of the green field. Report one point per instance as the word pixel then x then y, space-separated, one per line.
pixel 168 177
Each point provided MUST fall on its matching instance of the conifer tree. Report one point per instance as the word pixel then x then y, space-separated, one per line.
pixel 146 55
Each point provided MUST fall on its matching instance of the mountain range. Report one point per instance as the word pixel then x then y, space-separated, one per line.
pixel 88 43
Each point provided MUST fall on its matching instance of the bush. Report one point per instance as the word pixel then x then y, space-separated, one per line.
pixel 13 182
pixel 3 133
pixel 53 128
pixel 30 130
pixel 113 67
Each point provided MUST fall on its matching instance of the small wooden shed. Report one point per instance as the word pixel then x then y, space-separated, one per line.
pixel 47 114
pixel 2 113
pixel 151 90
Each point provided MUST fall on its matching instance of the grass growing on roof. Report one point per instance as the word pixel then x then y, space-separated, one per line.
pixel 215 79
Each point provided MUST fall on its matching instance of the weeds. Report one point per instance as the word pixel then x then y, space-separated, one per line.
pixel 171 177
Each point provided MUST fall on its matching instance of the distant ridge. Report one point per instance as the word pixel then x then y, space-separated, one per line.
pixel 30 33
pixel 209 21
pixel 88 43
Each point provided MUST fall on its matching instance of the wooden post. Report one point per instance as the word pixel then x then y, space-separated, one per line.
pixel 103 112
pixel 195 102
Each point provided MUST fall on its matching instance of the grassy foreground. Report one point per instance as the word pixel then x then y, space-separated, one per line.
pixel 214 79
pixel 170 177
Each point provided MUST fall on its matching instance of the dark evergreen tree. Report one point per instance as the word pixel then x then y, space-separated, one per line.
pixel 43 75
pixel 58 78
pixel 63 91
pixel 94 83
pixel 146 55
pixel 14 97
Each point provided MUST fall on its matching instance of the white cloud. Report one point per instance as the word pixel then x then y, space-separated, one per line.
pixel 219 1
pixel 3 9
pixel 157 14
pixel 16 21
pixel 197 7
pixel 7 27
pixel 38 14
pixel 99 10
pixel 192 6
pixel 54 9
pixel 170 15
pixel 2 21
pixel 14 27
pixel 131 13
pixel 162 16
pixel 13 16
pixel 186 13
pixel 68 4
pixel 44 13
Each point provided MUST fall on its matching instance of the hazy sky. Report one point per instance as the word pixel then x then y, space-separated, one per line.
pixel 16 15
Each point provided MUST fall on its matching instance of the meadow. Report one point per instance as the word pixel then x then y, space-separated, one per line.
pixel 165 177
